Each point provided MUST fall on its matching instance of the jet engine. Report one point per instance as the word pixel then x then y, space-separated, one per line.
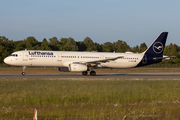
pixel 74 67
pixel 77 67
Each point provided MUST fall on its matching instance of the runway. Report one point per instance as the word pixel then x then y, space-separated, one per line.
pixel 99 76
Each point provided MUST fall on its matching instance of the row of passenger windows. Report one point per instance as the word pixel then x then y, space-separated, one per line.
pixel 130 58
pixel 79 57
pixel 42 56
pixel 94 57
pixel 74 56
pixel 122 58
pixel 15 55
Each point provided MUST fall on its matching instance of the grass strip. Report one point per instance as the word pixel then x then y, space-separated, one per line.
pixel 101 99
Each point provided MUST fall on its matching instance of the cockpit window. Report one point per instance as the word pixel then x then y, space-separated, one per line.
pixel 14 55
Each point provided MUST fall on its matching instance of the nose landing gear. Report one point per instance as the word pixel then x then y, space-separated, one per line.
pixel 24 68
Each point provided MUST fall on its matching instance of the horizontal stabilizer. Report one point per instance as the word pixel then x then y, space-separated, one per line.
pixel 158 58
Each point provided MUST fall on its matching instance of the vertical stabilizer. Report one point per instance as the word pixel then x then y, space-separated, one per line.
pixel 155 51
pixel 157 47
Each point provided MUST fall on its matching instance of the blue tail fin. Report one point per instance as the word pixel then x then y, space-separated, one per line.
pixel 157 47
pixel 154 51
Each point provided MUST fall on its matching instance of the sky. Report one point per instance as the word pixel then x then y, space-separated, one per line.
pixel 133 21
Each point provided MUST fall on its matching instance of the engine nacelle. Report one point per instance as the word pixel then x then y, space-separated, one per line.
pixel 77 67
pixel 64 69
pixel 74 67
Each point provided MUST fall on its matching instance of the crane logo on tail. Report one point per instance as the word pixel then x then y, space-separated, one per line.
pixel 158 47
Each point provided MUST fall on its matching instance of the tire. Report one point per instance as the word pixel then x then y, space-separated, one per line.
pixel 84 73
pixel 23 73
pixel 92 73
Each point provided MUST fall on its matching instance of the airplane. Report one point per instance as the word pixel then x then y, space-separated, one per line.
pixel 74 61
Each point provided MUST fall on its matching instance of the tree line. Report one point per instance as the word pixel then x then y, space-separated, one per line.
pixel 69 44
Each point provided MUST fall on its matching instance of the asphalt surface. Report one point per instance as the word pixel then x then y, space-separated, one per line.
pixel 99 76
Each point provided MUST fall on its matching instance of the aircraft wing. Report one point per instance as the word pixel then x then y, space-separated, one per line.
pixel 95 62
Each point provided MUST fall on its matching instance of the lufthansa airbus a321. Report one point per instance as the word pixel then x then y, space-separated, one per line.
pixel 88 61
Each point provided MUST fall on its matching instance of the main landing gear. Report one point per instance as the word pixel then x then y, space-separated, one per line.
pixel 24 68
pixel 92 73
pixel 84 73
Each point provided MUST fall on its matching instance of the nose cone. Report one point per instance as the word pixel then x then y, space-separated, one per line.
pixel 7 60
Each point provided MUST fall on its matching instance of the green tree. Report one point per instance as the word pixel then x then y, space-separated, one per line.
pixel 121 46
pixel 54 43
pixel 81 46
pixel 171 50
pixel 136 49
pixel 108 47
pixel 68 44
pixel 45 45
pixel 90 45
pixel 19 45
pixel 31 42
pixel 176 60
pixel 6 47
pixel 143 47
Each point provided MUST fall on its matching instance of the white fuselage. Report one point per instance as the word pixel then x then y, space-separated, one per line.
pixel 63 58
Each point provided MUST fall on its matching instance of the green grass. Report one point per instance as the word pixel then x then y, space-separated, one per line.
pixel 97 99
